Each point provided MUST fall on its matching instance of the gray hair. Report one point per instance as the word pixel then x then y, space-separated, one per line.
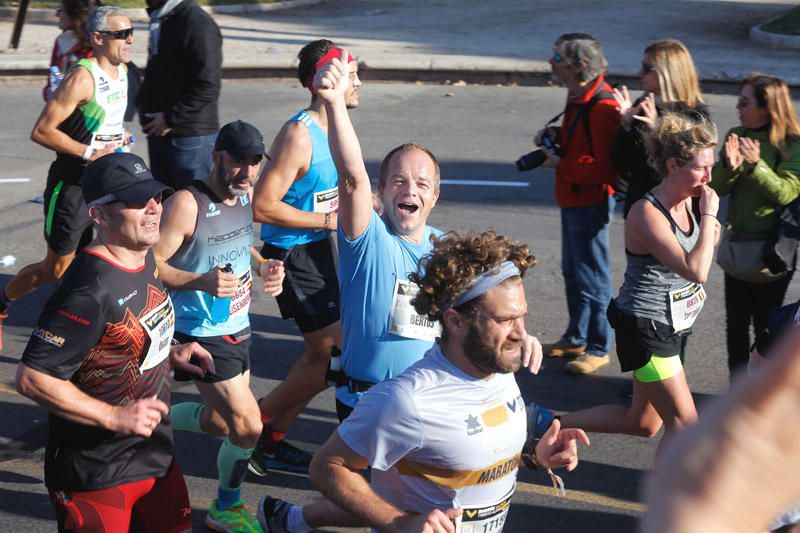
pixel 584 48
pixel 98 19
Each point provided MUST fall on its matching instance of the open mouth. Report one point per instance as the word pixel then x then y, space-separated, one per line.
pixel 407 208
pixel 150 225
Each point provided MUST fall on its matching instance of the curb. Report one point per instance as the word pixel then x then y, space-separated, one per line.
pixel 140 14
pixel 774 40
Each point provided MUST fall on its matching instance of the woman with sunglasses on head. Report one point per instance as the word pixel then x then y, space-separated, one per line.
pixel 73 42
pixel 759 167
pixel 669 82
pixel 669 253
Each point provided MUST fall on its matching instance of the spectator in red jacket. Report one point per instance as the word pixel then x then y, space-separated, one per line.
pixel 584 177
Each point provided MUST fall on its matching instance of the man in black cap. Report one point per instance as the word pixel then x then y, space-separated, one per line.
pixel 204 257
pixel 99 360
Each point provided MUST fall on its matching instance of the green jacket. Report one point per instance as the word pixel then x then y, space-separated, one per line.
pixel 757 191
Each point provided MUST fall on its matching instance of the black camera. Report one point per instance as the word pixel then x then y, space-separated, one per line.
pixel 535 159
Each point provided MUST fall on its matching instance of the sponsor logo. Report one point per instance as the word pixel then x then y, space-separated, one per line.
pixel 139 168
pixel 218 239
pixel 73 317
pixel 124 299
pixel 473 425
pixel 231 256
pixel 48 336
pixel 212 210
pixel 512 405
pixel 244 200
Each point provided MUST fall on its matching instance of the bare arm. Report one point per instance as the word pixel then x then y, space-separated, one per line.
pixel 355 192
pixel 63 398
pixel 334 470
pixel 291 153
pixel 178 222
pixel 76 89
pixel 647 231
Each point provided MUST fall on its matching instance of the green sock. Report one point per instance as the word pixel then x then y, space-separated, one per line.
pixel 186 416
pixel 232 465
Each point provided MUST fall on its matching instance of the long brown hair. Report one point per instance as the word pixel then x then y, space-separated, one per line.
pixel 677 77
pixel 772 93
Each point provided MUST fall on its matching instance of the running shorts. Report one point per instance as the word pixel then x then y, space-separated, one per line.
pixel 67 227
pixel 638 339
pixel 311 287
pixel 153 505
pixel 231 355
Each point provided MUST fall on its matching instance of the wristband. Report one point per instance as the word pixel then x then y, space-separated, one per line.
pixel 327 224
pixel 87 154
pixel 256 262
pixel 708 215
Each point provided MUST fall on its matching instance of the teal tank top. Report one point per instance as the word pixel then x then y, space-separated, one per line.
pixel 223 234
pixel 317 191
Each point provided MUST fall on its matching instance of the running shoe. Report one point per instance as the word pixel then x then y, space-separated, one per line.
pixel 236 519
pixel 273 514
pixel 282 456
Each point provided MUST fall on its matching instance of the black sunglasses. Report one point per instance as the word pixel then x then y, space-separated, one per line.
pixel 130 205
pixel 647 68
pixel 119 34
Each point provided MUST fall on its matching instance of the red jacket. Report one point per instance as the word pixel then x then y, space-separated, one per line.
pixel 585 173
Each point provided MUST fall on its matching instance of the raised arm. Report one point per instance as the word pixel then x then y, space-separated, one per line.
pixel 648 232
pixel 355 192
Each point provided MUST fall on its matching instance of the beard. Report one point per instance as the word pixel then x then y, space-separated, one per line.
pixel 485 357
pixel 228 180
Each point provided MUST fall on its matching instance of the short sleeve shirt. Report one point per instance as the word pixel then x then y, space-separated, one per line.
pixel 370 267
pixel 437 437
pixel 108 330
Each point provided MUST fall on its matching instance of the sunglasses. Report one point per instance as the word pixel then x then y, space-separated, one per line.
pixel 647 68
pixel 129 205
pixel 121 35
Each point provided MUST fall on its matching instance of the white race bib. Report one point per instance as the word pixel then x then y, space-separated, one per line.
pixel 484 518
pixel 685 304
pixel 101 140
pixel 240 302
pixel 326 201
pixel 159 324
pixel 405 322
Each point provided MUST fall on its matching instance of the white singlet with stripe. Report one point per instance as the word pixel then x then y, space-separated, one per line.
pixel 437 437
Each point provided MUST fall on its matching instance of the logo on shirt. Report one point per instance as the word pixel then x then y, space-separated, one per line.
pixel 473 425
pixel 102 84
pixel 212 210
pixel 48 337
pixel 124 299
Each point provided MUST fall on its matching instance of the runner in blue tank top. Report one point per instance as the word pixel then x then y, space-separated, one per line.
pixel 207 229
pixel 296 200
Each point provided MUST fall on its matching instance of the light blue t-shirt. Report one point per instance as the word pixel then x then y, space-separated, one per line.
pixel 315 192
pixel 369 269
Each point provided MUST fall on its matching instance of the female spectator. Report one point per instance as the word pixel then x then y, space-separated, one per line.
pixel 669 253
pixel 669 82
pixel 759 167
pixel 73 42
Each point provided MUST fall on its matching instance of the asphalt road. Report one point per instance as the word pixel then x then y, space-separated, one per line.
pixel 477 132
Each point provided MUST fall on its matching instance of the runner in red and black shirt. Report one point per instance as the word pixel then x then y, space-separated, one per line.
pixel 99 361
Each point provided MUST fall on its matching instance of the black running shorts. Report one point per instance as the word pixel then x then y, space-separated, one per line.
pixel 231 355
pixel 67 226
pixel 311 288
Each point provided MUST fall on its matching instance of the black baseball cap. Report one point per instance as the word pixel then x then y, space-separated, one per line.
pixel 122 174
pixel 241 140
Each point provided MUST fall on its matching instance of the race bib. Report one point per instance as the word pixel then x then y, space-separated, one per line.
pixel 326 201
pixel 101 140
pixel 159 324
pixel 240 302
pixel 685 304
pixel 484 519
pixel 405 322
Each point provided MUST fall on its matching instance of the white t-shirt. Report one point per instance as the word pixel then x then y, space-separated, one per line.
pixel 437 437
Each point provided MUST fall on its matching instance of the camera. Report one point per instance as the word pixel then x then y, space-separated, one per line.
pixel 535 159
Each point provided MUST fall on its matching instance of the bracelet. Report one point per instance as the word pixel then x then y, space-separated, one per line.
pixel 327 224
pixel 87 154
pixel 708 215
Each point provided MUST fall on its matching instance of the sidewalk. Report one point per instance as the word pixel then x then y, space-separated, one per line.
pixel 506 40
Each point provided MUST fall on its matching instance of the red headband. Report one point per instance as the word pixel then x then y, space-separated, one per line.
pixel 334 52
